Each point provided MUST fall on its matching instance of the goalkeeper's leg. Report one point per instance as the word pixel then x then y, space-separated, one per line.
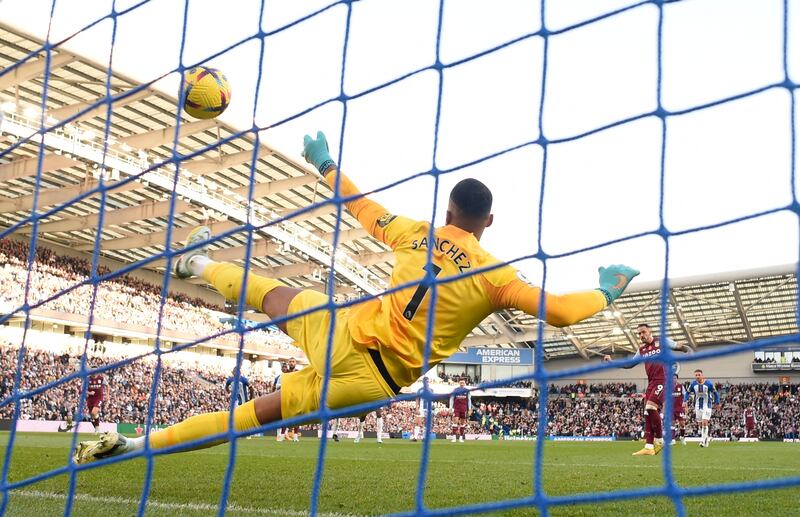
pixel 268 295
pixel 257 412
pixel 354 376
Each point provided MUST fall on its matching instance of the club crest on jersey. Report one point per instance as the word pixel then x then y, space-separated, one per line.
pixel 385 219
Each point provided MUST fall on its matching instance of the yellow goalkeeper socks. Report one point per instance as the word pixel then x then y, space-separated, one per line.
pixel 227 279
pixel 199 426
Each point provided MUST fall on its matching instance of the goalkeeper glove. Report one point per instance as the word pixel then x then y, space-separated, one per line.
pixel 614 279
pixel 316 152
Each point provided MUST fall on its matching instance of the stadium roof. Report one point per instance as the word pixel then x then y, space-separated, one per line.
pixel 214 184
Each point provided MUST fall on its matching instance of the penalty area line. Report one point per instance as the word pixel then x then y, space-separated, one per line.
pixel 163 505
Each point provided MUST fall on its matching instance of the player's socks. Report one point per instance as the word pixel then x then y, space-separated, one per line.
pixel 648 430
pixel 227 279
pixel 197 264
pixel 96 424
pixel 200 426
pixel 655 423
pixel 416 432
pixel 379 425
pixel 455 433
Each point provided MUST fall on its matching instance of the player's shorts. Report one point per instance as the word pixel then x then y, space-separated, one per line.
pixel 678 415
pixel 702 414
pixel 355 379
pixel 460 414
pixel 92 403
pixel 655 393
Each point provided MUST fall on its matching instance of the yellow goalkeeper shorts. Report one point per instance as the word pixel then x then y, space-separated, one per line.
pixel 354 378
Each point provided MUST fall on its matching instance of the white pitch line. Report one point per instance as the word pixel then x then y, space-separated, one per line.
pixel 161 505
pixel 551 464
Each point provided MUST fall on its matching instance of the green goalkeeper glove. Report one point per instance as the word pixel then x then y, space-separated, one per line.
pixel 316 152
pixel 614 279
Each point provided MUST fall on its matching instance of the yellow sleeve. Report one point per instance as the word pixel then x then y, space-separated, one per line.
pixel 506 288
pixel 384 226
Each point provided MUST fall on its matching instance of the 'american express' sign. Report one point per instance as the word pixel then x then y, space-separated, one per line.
pixel 486 355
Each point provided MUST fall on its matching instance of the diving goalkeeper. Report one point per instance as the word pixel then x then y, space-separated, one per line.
pixel 378 344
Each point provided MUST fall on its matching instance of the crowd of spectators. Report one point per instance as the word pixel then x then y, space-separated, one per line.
pixel 123 299
pixel 183 390
pixel 616 389
pixel 186 388
pixel 771 360
pixel 612 409
pixel 453 379
pixel 777 410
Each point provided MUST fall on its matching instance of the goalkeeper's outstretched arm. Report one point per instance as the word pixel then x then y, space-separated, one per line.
pixel 567 309
pixel 371 214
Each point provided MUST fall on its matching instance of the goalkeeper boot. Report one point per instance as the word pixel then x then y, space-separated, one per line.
pixel 657 447
pixel 199 234
pixel 645 452
pixel 109 444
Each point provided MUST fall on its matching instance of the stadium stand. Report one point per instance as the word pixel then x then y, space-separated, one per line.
pixel 185 389
pixel 139 301
pixel 188 387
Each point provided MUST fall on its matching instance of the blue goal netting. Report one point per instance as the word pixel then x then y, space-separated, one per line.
pixel 659 113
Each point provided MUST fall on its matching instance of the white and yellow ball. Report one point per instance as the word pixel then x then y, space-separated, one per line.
pixel 206 92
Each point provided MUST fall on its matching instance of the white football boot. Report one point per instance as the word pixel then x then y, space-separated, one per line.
pixel 109 444
pixel 199 234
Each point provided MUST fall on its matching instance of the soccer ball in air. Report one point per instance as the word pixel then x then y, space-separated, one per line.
pixel 206 92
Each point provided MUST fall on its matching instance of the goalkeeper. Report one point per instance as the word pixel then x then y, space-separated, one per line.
pixel 378 344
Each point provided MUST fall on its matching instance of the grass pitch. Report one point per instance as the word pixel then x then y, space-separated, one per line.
pixel 273 478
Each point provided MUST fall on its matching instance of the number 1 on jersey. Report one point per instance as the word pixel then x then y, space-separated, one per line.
pixel 419 294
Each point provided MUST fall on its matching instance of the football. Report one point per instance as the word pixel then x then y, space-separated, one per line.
pixel 206 92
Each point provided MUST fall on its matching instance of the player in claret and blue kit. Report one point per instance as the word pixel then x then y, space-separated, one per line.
pixel 461 404
pixel 95 395
pixel 651 347
pixel 378 343
pixel 749 418
pixel 705 396
pixel 678 410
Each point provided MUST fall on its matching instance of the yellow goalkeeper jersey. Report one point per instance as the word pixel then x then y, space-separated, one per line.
pixel 397 322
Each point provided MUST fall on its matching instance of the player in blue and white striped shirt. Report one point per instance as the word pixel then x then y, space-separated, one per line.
pixel 705 396
pixel 241 390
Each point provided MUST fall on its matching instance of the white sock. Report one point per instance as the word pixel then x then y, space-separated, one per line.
pixel 360 429
pixel 197 264
pixel 280 432
pixel 335 426
pixel 416 431
pixel 135 444
pixel 648 446
pixel 379 425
